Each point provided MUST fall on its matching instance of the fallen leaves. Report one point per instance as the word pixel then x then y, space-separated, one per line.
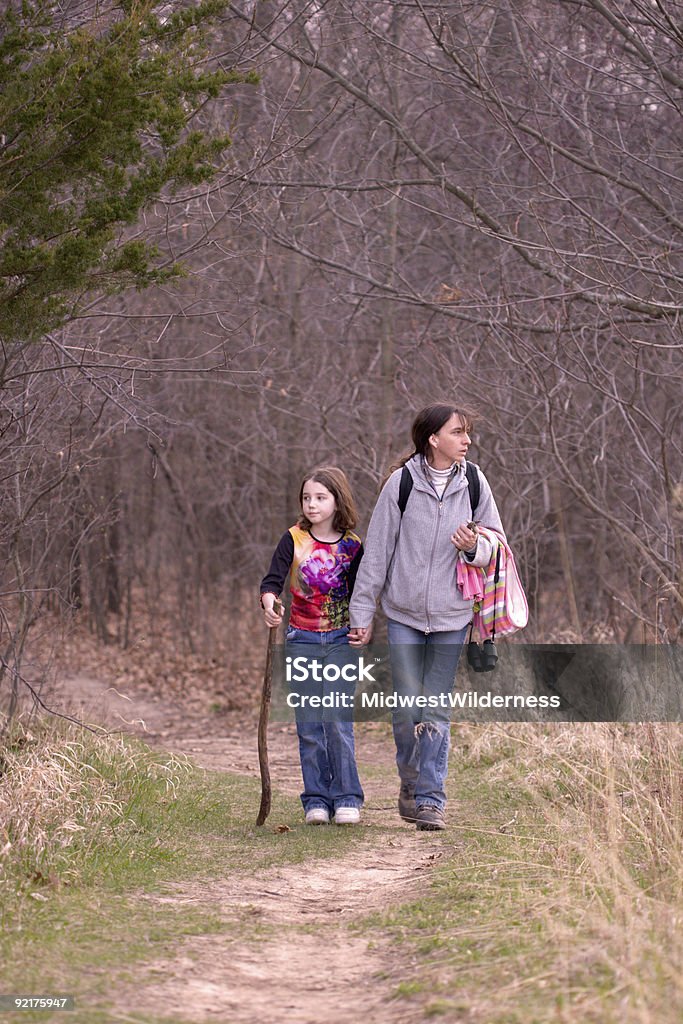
pixel 207 668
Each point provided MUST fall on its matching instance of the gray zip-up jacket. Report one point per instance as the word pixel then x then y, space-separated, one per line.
pixel 410 563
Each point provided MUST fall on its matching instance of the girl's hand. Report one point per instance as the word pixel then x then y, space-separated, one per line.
pixel 465 538
pixel 359 637
pixel 273 610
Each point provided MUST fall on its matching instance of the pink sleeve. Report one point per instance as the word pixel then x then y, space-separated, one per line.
pixel 470 580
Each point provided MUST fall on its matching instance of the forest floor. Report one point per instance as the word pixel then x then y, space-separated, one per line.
pixel 554 895
pixel 305 957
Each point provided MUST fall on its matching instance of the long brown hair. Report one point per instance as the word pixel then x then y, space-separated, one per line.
pixel 429 421
pixel 334 479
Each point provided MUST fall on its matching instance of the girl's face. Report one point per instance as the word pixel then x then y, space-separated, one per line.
pixel 318 504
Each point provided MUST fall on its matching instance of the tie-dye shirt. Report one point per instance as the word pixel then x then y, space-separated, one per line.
pixel 321 575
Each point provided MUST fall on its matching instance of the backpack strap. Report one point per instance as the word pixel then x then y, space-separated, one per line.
pixel 404 490
pixel 473 485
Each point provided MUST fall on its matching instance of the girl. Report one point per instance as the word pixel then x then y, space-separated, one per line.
pixel 321 555
pixel 410 563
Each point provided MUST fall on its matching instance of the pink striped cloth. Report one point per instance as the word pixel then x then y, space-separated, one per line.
pixel 502 605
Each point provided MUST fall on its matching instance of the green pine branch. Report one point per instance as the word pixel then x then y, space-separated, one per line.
pixel 94 125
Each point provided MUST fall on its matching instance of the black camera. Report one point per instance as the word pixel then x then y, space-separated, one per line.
pixel 484 658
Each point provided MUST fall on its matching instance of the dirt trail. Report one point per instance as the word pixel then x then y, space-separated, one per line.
pixel 308 963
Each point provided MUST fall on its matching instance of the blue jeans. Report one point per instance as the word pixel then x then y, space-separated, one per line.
pixel 424 664
pixel 326 745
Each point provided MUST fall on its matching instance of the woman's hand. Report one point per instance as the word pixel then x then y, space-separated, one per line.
pixel 359 637
pixel 273 610
pixel 465 538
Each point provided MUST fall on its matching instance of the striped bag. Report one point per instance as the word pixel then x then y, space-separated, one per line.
pixel 500 605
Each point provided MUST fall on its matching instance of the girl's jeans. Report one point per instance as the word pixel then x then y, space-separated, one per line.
pixel 424 664
pixel 326 746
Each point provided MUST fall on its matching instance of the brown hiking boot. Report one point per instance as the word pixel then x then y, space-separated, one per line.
pixel 430 819
pixel 406 805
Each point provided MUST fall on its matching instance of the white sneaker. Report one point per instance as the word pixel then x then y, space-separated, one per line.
pixel 346 816
pixel 318 816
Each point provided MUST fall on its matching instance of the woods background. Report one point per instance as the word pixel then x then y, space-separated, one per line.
pixel 473 201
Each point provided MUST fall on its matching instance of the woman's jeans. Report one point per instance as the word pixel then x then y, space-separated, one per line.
pixel 424 664
pixel 326 746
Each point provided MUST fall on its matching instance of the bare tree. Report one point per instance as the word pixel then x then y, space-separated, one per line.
pixel 420 200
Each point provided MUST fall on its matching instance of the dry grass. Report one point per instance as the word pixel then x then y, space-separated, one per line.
pixel 65 792
pixel 562 900
pixel 559 896
pixel 621 830
pixel 582 898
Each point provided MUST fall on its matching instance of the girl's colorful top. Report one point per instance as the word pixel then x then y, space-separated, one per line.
pixel 322 575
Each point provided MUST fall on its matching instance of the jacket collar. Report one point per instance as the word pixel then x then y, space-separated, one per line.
pixel 420 483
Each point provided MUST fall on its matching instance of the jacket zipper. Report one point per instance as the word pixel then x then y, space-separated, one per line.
pixel 431 557
pixel 431 564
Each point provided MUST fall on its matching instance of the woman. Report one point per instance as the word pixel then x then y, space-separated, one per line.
pixel 410 564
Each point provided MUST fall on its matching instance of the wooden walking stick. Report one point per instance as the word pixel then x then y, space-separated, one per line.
pixel 264 809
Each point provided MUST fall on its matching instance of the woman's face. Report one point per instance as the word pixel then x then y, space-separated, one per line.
pixel 318 504
pixel 451 442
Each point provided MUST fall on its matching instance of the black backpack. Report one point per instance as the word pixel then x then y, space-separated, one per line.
pixel 473 485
